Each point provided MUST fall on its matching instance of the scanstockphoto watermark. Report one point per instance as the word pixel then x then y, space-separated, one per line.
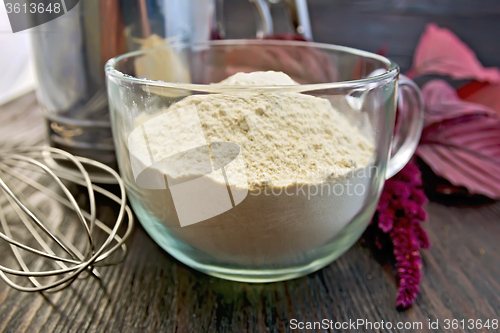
pixel 363 325
pixel 189 168
pixel 360 325
pixel 354 183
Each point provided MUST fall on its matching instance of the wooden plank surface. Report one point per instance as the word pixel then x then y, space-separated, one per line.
pixel 152 292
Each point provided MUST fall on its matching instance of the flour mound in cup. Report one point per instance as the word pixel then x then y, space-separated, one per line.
pixel 298 158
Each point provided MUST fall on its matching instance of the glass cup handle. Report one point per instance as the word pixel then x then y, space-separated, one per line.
pixel 408 127
pixel 265 26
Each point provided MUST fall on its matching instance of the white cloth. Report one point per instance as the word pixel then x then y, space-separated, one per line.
pixel 17 74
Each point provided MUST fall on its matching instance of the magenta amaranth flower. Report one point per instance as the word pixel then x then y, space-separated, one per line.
pixel 408 264
pixel 386 220
pixel 398 222
pixel 410 174
pixel 398 188
pixel 418 196
pixel 421 235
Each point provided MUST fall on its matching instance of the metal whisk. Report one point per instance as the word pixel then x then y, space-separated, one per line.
pixel 26 171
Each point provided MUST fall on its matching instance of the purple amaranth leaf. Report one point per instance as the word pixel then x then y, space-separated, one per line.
pixel 465 151
pixel 443 103
pixel 488 95
pixel 440 51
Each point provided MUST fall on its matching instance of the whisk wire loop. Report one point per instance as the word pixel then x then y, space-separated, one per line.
pixel 15 165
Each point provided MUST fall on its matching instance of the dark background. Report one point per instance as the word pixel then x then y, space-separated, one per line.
pixel 371 24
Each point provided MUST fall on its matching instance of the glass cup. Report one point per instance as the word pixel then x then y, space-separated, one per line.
pixel 262 182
